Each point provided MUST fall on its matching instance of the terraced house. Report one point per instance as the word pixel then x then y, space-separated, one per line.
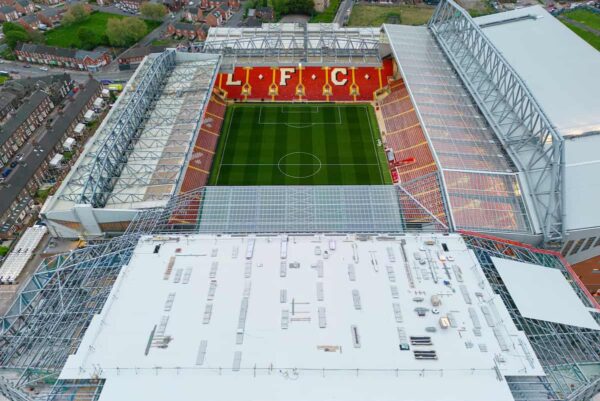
pixel 18 129
pixel 57 56
pixel 23 180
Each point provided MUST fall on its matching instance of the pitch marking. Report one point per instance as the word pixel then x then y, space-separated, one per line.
pixel 319 164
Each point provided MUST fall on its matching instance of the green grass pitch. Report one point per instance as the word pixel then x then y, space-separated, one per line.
pixel 299 144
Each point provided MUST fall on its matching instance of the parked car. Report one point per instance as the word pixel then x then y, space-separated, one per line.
pixel 26 65
pixel 13 164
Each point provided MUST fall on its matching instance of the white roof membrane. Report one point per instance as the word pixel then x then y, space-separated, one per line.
pixel 303 318
pixel 560 68
pixel 551 298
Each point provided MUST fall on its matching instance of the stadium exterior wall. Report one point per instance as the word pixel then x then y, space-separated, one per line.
pixel 88 222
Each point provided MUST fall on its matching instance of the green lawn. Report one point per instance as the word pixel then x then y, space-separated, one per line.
pixel 589 37
pixel 375 15
pixel 163 42
pixel 328 14
pixel 66 36
pixel 288 144
pixel 585 17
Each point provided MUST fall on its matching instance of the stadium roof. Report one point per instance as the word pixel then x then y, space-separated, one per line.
pixel 581 175
pixel 303 318
pixel 560 69
pixel 138 152
pixel 293 43
pixel 311 208
pixel 564 307
pixel 477 172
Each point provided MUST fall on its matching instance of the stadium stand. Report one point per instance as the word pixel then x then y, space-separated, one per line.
pixel 404 135
pixel 306 83
pixel 478 200
pixel 200 161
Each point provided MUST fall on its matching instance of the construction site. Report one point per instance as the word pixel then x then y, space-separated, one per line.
pixel 429 252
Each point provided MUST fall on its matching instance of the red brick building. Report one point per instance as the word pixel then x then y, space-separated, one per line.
pixel 8 14
pixel 50 16
pixel 16 198
pixel 188 31
pixel 24 7
pixel 57 56
pixel 209 4
pixel 214 18
pixel 29 22
pixel 24 121
pixel 131 58
pixel 193 14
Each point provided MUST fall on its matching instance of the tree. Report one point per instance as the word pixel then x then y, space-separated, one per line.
pixel 11 26
pixel 300 7
pixel 76 13
pixel 88 38
pixel 125 32
pixel 13 37
pixel 15 33
pixel 153 10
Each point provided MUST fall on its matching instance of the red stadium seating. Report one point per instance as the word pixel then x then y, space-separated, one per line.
pixel 404 135
pixel 478 201
pixel 198 168
pixel 291 83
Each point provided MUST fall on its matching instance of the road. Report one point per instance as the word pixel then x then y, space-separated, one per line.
pixel 236 18
pixel 342 14
pixel 20 71
pixel 110 72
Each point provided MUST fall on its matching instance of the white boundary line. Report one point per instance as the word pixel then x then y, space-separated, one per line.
pixel 365 108
pixel 299 126
pixel 300 107
pixel 374 146
pixel 225 146
pixel 300 164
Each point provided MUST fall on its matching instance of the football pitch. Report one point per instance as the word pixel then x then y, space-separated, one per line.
pixel 299 144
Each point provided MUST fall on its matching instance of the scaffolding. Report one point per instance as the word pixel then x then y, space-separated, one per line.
pixel 46 322
pixel 512 111
pixel 48 319
pixel 570 355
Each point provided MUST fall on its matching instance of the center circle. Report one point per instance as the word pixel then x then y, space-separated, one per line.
pixel 295 159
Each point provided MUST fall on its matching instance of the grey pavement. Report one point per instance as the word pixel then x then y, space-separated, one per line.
pixel 17 70
pixel 236 18
pixel 343 12
pixel 580 25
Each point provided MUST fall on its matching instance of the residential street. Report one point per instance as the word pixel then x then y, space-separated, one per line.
pixel 18 70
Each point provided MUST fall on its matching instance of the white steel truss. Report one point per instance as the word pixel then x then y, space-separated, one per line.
pixel 309 44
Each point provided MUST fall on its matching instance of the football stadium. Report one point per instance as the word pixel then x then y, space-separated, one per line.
pixel 314 212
